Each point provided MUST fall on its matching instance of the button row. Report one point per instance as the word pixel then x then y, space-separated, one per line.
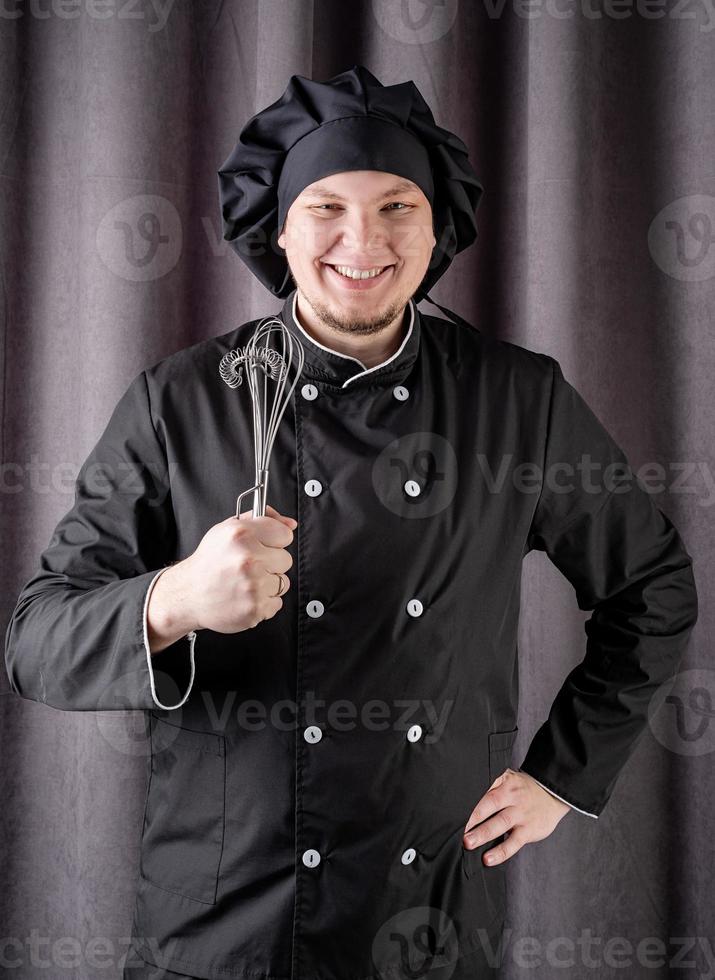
pixel 313 733
pixel 314 487
pixel 310 392
pixel 315 608
pixel 311 857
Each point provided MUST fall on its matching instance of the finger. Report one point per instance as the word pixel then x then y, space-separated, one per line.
pixel 266 581
pixel 267 563
pixel 271 512
pixel 268 530
pixel 500 823
pixel 502 852
pixel 290 521
pixel 273 585
pixel 494 799
pixel 273 559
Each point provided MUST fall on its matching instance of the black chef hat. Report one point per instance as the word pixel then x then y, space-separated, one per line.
pixel 350 122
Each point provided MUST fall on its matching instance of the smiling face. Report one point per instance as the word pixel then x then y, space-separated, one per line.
pixel 353 224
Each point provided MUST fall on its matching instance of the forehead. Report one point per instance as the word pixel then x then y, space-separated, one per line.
pixel 359 184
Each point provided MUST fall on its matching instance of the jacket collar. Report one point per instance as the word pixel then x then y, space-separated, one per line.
pixel 343 371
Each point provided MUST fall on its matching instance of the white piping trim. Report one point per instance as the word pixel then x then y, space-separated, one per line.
pixel 348 357
pixel 191 636
pixel 585 812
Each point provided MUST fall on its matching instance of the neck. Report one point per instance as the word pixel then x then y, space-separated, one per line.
pixel 369 349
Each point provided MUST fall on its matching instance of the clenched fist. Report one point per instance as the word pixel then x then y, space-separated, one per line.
pixel 228 584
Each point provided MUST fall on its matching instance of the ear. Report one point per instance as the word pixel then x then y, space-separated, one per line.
pixel 281 240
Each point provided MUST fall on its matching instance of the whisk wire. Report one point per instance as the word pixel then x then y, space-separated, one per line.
pixel 267 371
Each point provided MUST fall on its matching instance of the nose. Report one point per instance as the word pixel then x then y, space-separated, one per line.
pixel 363 235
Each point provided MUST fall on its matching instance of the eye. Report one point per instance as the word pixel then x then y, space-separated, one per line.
pixel 394 204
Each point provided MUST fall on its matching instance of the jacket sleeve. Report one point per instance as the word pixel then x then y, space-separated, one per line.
pixel 77 638
pixel 626 561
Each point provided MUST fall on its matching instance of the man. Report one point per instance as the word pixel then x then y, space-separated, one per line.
pixel 331 795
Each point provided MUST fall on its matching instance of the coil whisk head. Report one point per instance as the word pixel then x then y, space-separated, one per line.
pixel 268 370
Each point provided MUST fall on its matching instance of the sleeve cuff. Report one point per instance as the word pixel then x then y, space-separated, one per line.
pixel 191 637
pixel 572 805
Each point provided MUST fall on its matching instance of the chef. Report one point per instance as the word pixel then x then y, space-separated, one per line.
pixel 327 784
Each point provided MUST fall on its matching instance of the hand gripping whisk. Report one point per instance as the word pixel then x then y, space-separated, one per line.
pixel 267 371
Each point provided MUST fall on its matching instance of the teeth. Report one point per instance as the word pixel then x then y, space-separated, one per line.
pixel 345 270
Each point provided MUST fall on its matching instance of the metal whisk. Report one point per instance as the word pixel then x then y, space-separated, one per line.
pixel 267 371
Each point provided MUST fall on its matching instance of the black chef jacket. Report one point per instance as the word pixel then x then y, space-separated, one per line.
pixel 310 779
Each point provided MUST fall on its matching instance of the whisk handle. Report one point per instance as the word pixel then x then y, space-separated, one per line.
pixel 259 491
pixel 240 498
pixel 261 495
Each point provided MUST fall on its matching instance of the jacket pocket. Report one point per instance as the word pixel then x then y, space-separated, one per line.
pixel 493 879
pixel 500 748
pixel 184 815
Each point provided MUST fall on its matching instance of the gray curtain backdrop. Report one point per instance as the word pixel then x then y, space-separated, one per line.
pixel 591 126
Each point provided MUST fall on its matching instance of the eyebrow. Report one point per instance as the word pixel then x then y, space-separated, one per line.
pixel 404 186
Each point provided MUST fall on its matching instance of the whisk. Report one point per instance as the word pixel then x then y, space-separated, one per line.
pixel 267 372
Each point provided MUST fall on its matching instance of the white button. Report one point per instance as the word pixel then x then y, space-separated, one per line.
pixel 414 733
pixel 313 488
pixel 309 392
pixel 311 858
pixel 312 733
pixel 400 393
pixel 414 607
pixel 315 608
pixel 409 855
pixel 412 488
